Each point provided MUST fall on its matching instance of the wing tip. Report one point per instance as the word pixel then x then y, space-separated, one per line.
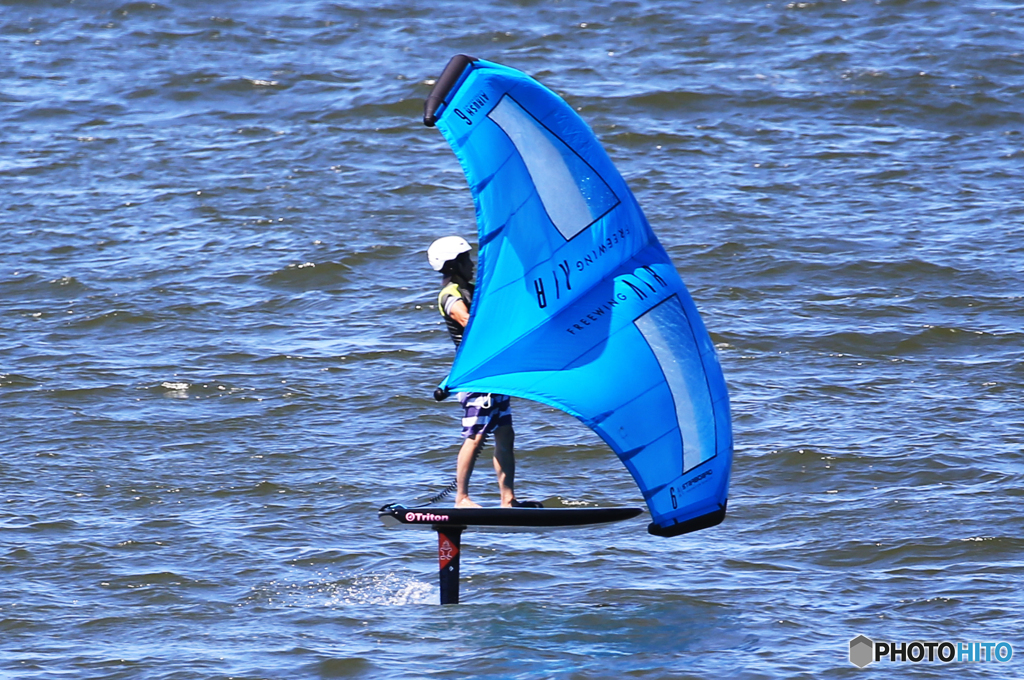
pixel 444 85
pixel 707 521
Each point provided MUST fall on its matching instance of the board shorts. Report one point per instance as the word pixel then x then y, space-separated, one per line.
pixel 484 412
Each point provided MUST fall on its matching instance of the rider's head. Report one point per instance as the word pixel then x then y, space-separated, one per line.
pixel 450 256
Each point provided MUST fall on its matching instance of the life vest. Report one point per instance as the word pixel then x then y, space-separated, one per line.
pixel 448 295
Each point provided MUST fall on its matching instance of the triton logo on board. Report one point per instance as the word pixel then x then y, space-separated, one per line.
pixel 425 517
pixel 864 651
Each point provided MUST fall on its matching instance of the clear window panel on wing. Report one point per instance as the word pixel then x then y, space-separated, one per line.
pixel 572 192
pixel 668 332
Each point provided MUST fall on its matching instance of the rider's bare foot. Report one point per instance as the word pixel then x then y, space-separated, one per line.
pixel 466 502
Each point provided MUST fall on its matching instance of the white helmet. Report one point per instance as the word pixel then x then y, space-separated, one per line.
pixel 444 249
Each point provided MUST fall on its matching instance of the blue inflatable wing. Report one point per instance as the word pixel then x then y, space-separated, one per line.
pixel 577 305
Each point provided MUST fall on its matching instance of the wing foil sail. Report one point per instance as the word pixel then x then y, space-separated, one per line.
pixel 577 304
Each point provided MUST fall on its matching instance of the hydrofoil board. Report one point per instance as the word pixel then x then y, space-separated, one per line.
pixel 502 519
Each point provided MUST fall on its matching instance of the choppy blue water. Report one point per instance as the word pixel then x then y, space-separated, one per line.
pixel 218 346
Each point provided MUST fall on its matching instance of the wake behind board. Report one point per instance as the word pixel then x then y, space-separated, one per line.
pixel 501 520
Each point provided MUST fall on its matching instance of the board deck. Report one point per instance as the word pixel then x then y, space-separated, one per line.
pixel 501 519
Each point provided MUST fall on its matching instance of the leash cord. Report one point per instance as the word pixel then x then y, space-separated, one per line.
pixel 420 502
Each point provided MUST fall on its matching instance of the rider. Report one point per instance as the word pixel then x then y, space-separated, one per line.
pixel 484 413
